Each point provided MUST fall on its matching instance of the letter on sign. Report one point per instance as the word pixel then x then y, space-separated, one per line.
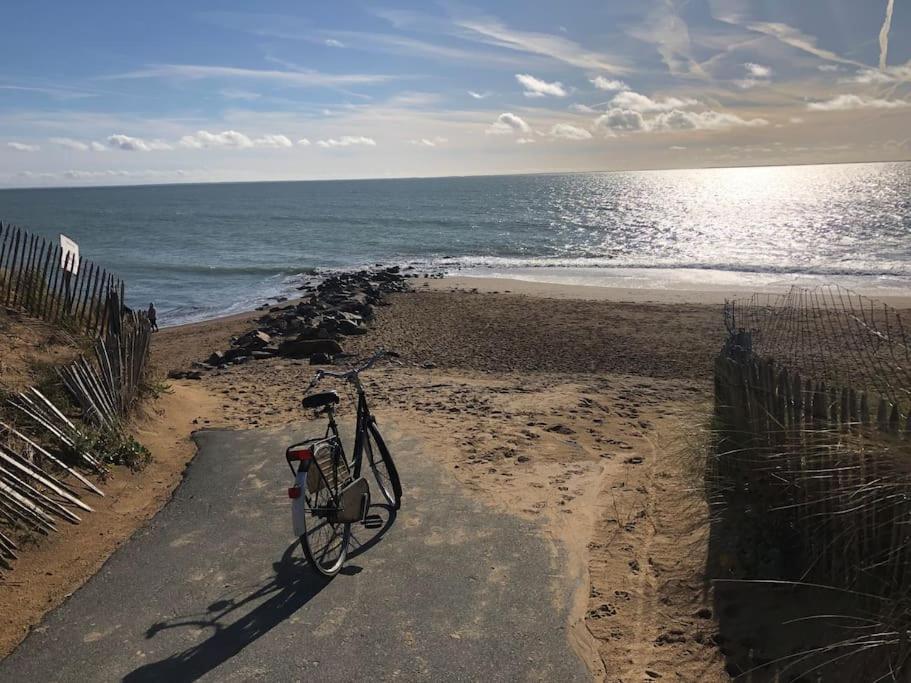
pixel 69 255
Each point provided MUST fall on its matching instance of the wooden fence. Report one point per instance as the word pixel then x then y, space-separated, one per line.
pixel 819 474
pixel 33 280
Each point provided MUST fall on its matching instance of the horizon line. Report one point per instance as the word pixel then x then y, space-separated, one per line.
pixel 444 177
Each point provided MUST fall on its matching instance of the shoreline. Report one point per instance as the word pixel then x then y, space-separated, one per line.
pixel 709 295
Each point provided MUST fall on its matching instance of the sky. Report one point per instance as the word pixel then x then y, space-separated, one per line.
pixel 104 93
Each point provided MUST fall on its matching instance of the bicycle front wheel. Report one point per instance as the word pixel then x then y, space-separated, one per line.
pixel 387 476
pixel 325 541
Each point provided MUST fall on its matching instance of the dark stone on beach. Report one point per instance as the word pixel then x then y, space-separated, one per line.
pixel 320 359
pixel 253 340
pixel 304 348
pixel 230 354
pixel 194 374
pixel 239 360
pixel 177 374
pixel 262 354
pixel 217 358
pixel 201 366
pixel 560 429
pixel 349 328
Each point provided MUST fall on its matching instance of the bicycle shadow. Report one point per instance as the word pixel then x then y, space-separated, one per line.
pixel 292 587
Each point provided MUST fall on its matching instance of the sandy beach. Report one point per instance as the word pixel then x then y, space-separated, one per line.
pixel 578 407
pixel 572 411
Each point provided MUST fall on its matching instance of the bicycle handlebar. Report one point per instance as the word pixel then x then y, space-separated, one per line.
pixel 349 375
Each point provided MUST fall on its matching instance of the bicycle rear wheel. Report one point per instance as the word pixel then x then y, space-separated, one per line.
pixel 384 470
pixel 325 540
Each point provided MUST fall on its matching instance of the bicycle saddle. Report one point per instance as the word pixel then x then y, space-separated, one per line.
pixel 324 398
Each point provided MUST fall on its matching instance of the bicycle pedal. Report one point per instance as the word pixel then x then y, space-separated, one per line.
pixel 373 521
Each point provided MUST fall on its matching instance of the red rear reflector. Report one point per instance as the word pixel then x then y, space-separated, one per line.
pixel 301 454
pixel 294 492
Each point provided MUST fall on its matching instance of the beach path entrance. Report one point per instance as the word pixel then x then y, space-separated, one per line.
pixel 215 587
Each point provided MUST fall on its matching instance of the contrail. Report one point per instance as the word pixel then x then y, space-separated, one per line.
pixel 884 36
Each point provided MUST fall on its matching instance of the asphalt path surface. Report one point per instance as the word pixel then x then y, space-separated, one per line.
pixel 216 587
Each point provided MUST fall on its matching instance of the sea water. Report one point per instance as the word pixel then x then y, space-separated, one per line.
pixel 202 250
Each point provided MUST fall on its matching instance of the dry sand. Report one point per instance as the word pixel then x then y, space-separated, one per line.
pixel 709 294
pixel 576 413
pixel 568 407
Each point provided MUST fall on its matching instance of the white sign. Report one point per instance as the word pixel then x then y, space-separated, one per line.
pixel 69 255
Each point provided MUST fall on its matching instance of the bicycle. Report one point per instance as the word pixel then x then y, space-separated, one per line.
pixel 329 493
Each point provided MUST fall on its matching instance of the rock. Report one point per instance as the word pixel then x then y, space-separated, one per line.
pixel 253 340
pixel 428 365
pixel 304 348
pixel 347 327
pixel 177 374
pixel 523 458
pixel 262 354
pixel 560 429
pixel 320 359
pixel 194 374
pixel 231 354
pixel 217 358
pixel 201 366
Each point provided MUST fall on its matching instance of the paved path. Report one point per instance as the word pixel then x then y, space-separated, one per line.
pixel 215 587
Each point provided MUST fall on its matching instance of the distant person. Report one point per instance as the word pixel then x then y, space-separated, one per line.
pixel 153 317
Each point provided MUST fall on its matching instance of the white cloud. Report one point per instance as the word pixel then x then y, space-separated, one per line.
pixel 273 141
pixel 617 119
pixel 891 74
pixel 478 95
pixel 603 83
pixel 22 147
pixel 732 13
pixel 669 33
pixel 97 147
pixel 848 102
pixel 677 148
pixel 705 120
pixel 757 74
pixel 631 121
pixel 229 139
pixel 583 109
pixel 569 132
pixel 70 143
pixel 535 87
pixel 508 123
pixel 828 68
pixel 642 103
pixel 796 119
pixel 131 144
pixel 332 42
pixel 492 32
pixel 303 142
pixel 757 70
pixel 884 34
pixel 239 94
pixel 299 78
pixel 347 141
pixel 429 142
pixel 525 141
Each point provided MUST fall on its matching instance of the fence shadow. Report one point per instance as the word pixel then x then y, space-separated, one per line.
pixel 290 589
pixel 773 624
pixel 811 492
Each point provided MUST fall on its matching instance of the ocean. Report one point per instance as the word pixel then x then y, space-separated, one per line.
pixel 199 251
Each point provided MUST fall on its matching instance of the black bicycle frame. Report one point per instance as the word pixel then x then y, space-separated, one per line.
pixel 360 430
